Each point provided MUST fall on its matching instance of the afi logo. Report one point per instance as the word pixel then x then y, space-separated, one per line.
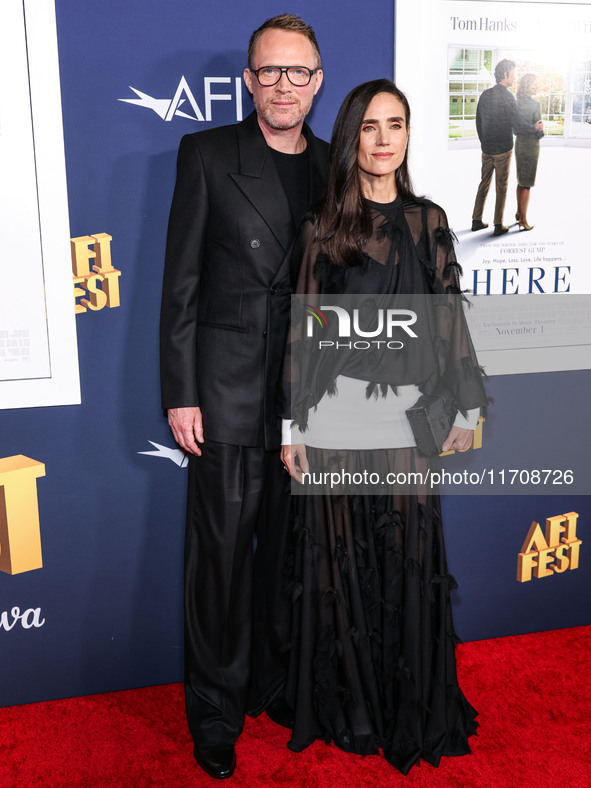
pixel 169 108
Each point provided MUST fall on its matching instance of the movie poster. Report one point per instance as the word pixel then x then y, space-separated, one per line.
pixel 38 354
pixel 446 53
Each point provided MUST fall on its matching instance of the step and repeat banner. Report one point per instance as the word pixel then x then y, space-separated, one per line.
pixel 92 485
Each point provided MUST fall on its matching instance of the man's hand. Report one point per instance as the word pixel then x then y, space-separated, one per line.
pixel 539 125
pixel 289 454
pixel 187 428
pixel 458 439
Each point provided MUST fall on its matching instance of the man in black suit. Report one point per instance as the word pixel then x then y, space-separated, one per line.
pixel 240 194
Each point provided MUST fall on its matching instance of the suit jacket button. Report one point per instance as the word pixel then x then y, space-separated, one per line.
pixel 255 243
pixel 273 290
pixel 265 333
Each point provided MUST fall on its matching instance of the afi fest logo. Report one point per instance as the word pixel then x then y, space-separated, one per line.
pixel 387 321
pixel 100 287
pixel 557 550
pixel 169 108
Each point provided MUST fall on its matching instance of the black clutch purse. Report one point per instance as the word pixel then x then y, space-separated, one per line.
pixel 431 418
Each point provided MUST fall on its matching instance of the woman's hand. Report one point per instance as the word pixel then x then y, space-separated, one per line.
pixel 459 439
pixel 289 455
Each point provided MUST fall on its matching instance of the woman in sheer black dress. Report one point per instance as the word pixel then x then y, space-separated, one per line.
pixel 372 665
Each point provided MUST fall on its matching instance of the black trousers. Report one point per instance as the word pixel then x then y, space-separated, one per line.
pixel 237 615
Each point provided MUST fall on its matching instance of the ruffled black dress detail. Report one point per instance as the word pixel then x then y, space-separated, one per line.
pixel 372 664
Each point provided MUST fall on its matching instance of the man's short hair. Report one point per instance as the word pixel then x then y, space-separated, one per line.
pixel 291 23
pixel 502 68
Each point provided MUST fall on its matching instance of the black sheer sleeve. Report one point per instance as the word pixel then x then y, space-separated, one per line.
pixel 459 371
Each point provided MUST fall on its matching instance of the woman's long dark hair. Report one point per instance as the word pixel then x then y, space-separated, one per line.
pixel 344 221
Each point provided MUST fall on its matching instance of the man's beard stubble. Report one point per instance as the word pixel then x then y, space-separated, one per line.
pixel 273 117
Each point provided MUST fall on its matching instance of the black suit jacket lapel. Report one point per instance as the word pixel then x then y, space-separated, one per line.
pixel 259 181
pixel 318 167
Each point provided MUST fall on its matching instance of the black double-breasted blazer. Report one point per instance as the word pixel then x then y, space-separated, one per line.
pixel 226 296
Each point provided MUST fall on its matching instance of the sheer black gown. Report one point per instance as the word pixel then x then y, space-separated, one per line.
pixel 372 664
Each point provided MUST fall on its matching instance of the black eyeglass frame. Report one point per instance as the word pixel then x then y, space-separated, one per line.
pixel 284 70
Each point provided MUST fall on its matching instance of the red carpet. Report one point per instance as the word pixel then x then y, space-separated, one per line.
pixel 532 692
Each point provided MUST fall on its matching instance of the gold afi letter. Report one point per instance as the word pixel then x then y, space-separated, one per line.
pixel 20 536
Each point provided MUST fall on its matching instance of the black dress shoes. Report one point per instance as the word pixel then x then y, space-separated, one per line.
pixel 478 224
pixel 218 762
pixel 281 713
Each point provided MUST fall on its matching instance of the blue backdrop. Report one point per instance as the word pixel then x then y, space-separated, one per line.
pixel 112 519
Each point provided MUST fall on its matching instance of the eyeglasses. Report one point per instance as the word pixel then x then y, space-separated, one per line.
pixel 270 75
